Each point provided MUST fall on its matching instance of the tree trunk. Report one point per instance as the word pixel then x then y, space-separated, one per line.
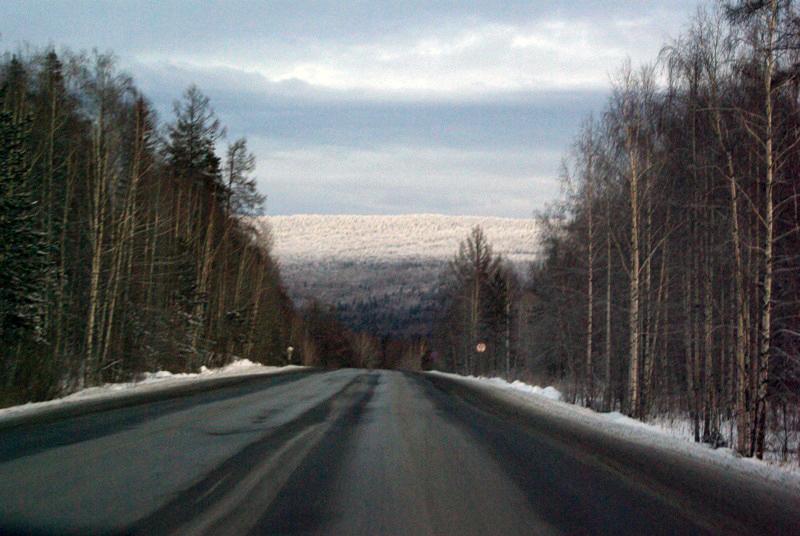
pixel 769 218
pixel 607 394
pixel 98 237
pixel 590 277
pixel 633 317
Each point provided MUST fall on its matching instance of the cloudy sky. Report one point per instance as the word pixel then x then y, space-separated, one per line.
pixel 376 107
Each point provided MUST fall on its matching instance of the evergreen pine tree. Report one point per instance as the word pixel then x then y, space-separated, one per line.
pixel 242 194
pixel 23 251
pixel 192 140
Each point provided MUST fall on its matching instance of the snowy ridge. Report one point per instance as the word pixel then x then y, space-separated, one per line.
pixel 381 272
pixel 658 435
pixel 304 238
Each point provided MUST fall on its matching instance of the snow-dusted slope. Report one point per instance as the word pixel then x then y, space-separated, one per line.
pixel 416 236
pixel 381 271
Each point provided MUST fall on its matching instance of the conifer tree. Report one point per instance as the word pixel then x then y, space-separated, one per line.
pixel 241 190
pixel 190 149
pixel 23 252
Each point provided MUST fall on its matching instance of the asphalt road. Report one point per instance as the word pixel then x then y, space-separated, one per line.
pixel 356 452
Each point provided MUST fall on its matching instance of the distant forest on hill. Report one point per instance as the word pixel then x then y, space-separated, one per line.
pixel 382 272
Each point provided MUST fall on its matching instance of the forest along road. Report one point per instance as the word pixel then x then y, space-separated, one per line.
pixel 357 452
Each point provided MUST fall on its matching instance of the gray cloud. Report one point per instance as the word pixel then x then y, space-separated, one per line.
pixel 407 179
pixel 394 106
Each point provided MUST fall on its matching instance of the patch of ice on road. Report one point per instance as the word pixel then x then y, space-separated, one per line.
pixel 150 381
pixel 656 435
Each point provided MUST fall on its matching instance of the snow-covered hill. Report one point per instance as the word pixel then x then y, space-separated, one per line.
pixel 414 236
pixel 381 271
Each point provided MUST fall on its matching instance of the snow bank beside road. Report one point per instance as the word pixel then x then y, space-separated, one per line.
pixel 548 400
pixel 549 392
pixel 151 381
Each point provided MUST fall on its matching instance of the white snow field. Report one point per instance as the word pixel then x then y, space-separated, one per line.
pixel 150 382
pixel 660 435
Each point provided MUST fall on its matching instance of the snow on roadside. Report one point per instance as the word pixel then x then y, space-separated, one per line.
pixel 151 381
pixel 549 399
pixel 549 392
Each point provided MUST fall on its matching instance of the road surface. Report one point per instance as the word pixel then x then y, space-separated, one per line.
pixel 356 452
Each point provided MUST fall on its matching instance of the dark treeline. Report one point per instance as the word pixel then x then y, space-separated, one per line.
pixel 122 242
pixel 669 278
pixel 329 343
